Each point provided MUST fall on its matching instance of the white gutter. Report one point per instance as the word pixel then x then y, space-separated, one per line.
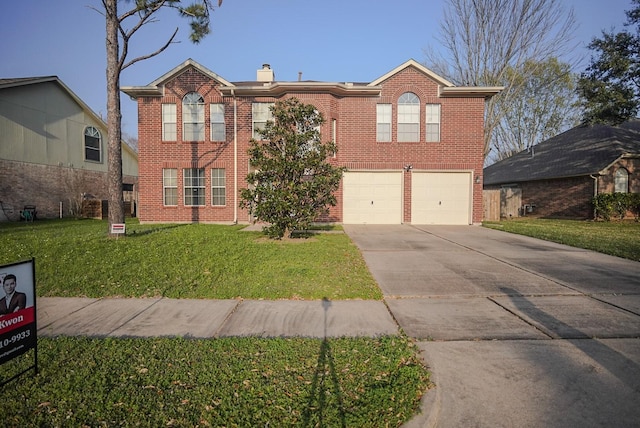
pixel 235 157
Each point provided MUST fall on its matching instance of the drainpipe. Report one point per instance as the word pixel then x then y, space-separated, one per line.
pixel 235 157
pixel 595 191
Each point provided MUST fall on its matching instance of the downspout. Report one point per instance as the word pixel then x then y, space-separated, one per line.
pixel 235 157
pixel 595 191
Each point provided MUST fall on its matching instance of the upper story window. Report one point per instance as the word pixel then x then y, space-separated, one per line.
pixel 193 117
pixel 92 144
pixel 217 122
pixel 383 123
pixel 408 117
pixel 621 180
pixel 260 114
pixel 433 122
pixel 169 122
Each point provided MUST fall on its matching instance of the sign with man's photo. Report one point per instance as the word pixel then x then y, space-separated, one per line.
pixel 17 309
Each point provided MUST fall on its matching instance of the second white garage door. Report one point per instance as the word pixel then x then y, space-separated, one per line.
pixel 440 198
pixel 372 198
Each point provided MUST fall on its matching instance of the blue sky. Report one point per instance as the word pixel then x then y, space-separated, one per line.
pixel 327 40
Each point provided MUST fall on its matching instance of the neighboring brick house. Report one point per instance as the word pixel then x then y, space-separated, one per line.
pixel 53 150
pixel 412 144
pixel 560 176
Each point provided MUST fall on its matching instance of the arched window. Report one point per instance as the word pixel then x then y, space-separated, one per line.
pixel 92 144
pixel 408 117
pixel 621 179
pixel 193 117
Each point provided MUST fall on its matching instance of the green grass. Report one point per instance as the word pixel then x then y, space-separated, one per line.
pixel 239 382
pixel 76 258
pixel 620 239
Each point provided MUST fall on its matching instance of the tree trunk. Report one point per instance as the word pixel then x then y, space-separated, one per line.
pixel 114 116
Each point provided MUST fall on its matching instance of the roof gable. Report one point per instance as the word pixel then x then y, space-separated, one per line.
pixel 583 150
pixel 421 68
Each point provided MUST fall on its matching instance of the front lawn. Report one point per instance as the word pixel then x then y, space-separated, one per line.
pixel 76 258
pixel 232 382
pixel 616 238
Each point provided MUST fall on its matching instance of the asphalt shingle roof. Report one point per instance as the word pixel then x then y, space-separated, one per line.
pixel 583 150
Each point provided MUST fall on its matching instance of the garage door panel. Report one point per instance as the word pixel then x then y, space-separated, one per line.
pixel 440 198
pixel 372 198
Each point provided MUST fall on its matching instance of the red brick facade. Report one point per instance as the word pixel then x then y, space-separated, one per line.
pixel 350 108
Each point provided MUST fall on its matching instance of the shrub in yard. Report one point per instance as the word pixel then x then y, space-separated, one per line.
pixel 608 204
pixel 634 204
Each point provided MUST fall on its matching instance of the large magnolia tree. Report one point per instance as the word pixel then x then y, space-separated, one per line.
pixel 121 27
pixel 293 182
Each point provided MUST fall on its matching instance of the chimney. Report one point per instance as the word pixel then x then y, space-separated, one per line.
pixel 265 74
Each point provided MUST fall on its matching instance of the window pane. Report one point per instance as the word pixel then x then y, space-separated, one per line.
pixel 433 122
pixel 217 122
pixel 408 132
pixel 261 113
pixel 621 181
pixel 92 144
pixel 408 117
pixel 383 130
pixel 194 186
pixel 193 117
pixel 218 189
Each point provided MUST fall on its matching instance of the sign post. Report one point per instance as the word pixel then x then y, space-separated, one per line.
pixel 18 328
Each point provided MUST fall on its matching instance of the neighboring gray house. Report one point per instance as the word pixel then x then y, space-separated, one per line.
pixel 560 176
pixel 53 150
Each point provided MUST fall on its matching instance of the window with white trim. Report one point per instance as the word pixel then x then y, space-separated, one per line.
pixel 169 122
pixel 432 122
pixel 193 117
pixel 408 118
pixel 170 186
pixel 334 135
pixel 383 123
pixel 621 180
pixel 218 187
pixel 194 189
pixel 217 122
pixel 92 144
pixel 260 114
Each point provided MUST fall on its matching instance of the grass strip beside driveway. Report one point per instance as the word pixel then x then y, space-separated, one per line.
pixel 76 258
pixel 621 239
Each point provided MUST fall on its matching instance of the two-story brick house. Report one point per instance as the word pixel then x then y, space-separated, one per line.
pixel 411 141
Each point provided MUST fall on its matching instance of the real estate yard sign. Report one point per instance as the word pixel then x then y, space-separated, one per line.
pixel 18 312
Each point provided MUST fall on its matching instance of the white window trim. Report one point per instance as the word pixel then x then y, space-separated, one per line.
pixel 189 187
pixel 432 119
pixel 408 115
pixel 194 119
pixel 257 109
pixel 92 132
pixel 384 117
pixel 222 186
pixel 169 117
pixel 166 186
pixel 216 123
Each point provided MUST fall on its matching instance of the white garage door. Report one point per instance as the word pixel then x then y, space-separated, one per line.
pixel 372 198
pixel 441 198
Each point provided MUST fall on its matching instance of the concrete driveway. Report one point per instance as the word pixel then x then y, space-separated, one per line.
pixel 517 332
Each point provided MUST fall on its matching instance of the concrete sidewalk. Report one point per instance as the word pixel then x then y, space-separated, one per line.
pixel 212 318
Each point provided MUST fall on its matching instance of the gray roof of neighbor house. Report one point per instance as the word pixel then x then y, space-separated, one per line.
pixel 583 150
